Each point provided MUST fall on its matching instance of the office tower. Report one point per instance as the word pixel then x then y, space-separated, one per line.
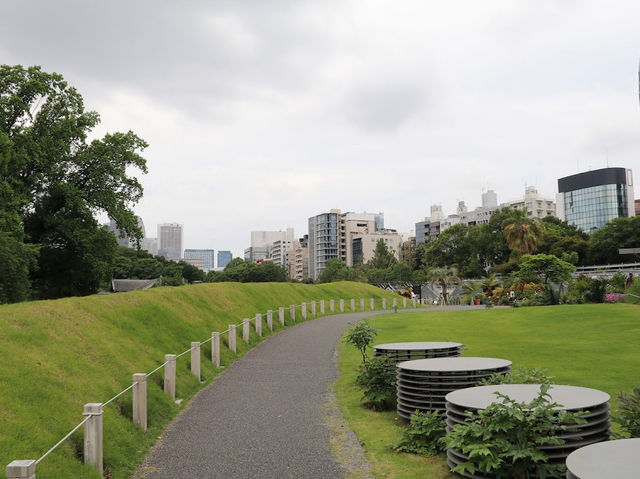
pixel 170 241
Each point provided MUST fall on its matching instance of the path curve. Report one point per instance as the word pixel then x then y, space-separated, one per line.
pixel 263 417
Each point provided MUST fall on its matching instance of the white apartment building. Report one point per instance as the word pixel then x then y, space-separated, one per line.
pixel 262 241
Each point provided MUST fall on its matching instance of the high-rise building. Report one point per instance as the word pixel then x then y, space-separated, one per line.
pixel 150 245
pixel 170 241
pixel 206 255
pixel 591 199
pixel 121 237
pixel 535 205
pixel 224 256
pixel 262 242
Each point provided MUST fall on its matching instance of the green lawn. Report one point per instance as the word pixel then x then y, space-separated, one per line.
pixel 58 355
pixel 594 346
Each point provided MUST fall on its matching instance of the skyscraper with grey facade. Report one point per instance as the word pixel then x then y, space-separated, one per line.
pixel 170 241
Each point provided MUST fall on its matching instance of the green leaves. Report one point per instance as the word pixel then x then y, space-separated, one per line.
pixel 424 434
pixel 378 379
pixel 628 412
pixel 361 336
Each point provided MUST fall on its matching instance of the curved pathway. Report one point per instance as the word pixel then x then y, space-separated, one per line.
pixel 263 417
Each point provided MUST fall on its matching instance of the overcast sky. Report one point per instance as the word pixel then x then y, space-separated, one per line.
pixel 260 114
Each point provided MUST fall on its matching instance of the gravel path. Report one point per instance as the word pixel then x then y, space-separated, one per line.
pixel 265 416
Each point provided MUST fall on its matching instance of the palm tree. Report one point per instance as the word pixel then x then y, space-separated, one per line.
pixel 444 277
pixel 522 233
pixel 489 283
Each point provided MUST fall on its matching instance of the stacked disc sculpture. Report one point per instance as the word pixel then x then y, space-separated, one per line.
pixel 417 350
pixel 605 460
pixel 422 384
pixel 593 404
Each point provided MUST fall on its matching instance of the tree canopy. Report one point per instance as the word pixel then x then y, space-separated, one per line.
pixel 53 182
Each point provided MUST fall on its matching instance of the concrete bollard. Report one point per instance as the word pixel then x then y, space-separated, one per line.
pixel 303 310
pixel 384 303
pixel 281 315
pixel 404 302
pixel 140 400
pixel 170 375
pixel 21 469
pixel 259 324
pixel 413 301
pixel 270 320
pixel 313 308
pixel 353 305
pixel 93 435
pixel 342 305
pixel 322 306
pixel 361 304
pixel 232 337
pixel 195 359
pixel 372 304
pixel 292 312
pixel 245 330
pixel 332 305
pixel 215 348
pixel 395 303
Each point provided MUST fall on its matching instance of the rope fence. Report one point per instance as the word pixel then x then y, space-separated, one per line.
pixel 92 422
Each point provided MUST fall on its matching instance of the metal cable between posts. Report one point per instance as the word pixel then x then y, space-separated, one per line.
pixel 183 353
pixel 157 369
pixel 64 438
pixel 117 396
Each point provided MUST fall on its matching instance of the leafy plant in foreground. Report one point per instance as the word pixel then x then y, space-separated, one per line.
pixel 504 439
pixel 361 336
pixel 424 434
pixel 628 412
pixel 519 375
pixel 378 379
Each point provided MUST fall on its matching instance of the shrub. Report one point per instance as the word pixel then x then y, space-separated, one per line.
pixel 378 379
pixel 628 412
pixel 361 336
pixel 596 290
pixel 613 297
pixel 519 375
pixel 503 439
pixel 424 434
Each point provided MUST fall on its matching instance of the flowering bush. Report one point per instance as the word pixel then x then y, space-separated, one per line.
pixel 613 297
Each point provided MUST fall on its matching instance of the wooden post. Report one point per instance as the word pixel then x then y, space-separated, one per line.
pixel 353 304
pixel 140 400
pixel 215 348
pixel 259 324
pixel 245 330
pixel 303 311
pixel 270 320
pixel 342 305
pixel 281 315
pixel 332 305
pixel 313 308
pixel 195 359
pixel 170 375
pixel 22 469
pixel 292 312
pixel 232 337
pixel 372 304
pixel 93 435
pixel 322 306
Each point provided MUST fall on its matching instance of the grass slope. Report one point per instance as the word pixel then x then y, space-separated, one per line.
pixel 59 355
pixel 583 345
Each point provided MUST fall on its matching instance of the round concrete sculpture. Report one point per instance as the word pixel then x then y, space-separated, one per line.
pixel 604 460
pixel 417 350
pixel 422 384
pixel 593 403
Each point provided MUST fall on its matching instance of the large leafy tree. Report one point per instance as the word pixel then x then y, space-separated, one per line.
pixel 607 240
pixel 54 181
pixel 545 267
pixel 446 278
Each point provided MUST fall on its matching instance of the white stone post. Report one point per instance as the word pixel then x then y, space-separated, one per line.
pixel 245 330
pixel 21 469
pixel 332 305
pixel 93 435
pixel 372 304
pixel 322 306
pixel 270 320
pixel 313 308
pixel 384 303
pixel 353 304
pixel 361 304
pixel 259 324
pixel 232 337
pixel 404 302
pixel 395 303
pixel 413 301
pixel 303 311
pixel 170 375
pixel 215 348
pixel 140 400
pixel 281 315
pixel 195 359
pixel 292 312
pixel 342 305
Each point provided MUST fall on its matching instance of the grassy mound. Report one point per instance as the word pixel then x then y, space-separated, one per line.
pixel 592 345
pixel 59 355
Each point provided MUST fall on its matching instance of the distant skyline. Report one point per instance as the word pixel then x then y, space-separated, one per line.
pixel 260 114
